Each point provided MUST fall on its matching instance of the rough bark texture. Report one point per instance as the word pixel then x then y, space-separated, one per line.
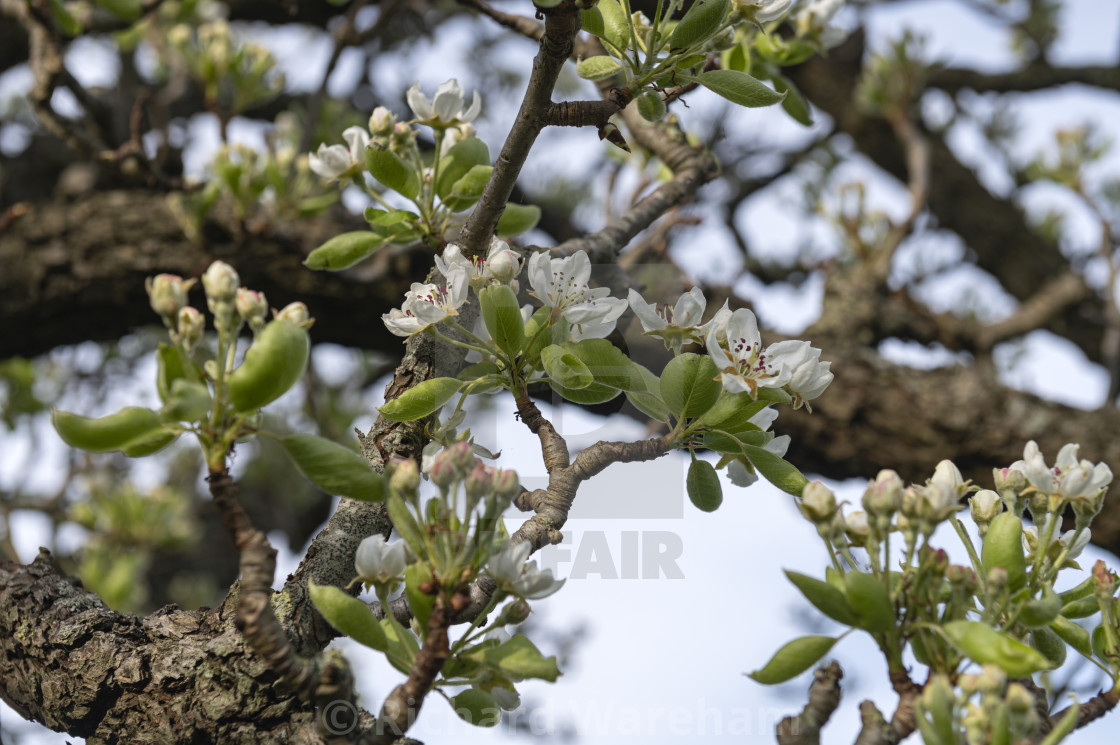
pixel 175 676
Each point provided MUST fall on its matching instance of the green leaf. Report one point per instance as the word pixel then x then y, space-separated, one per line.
pixel 420 400
pixel 344 250
pixel 152 442
pixel 703 486
pixel 986 646
pixel 126 10
pixel 1003 547
pixel 824 597
pixel 273 364
pixel 1073 635
pixel 419 603
pixel 688 385
pixel 608 364
pixel 649 401
pixel 598 68
pixel 402 647
pixel 591 21
pixel 738 87
pixel 774 395
pixel 476 706
pixel 737 57
pixel 517 659
pixel 702 21
pixel 794 103
pixel 349 615
pixel 334 469
pixel 651 106
pixel 870 601
pixel 405 523
pixel 461 158
pixel 105 434
pixel 67 24
pixel 467 190
pixel 565 368
pixel 596 393
pixel 502 316
pixel 388 168
pixel 779 472
pixel 172 365
pixel 616 24
pixel 540 334
pixel 793 659
pixel 732 411
pixel 518 218
pixel 188 401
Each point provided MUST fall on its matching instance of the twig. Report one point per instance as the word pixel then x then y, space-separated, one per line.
pixel 561 26
pixel 527 27
pixel 824 697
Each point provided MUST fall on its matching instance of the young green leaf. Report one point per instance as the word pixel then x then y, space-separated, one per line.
pixel 517 659
pixel 651 106
pixel 649 400
pixel 1003 547
pixel 344 250
pixel 591 20
pixel 467 190
pixel 334 469
pixel 596 393
pixel 794 103
pixel 476 706
pixel 152 442
pixel 349 615
pixel 793 659
pixel 870 602
pixel 565 368
pixel 172 365
pixel 824 597
pixel 738 87
pixel 598 68
pixel 732 411
pixel 986 646
pixel 688 384
pixel 703 486
pixel 461 158
pixel 616 25
pixel 419 603
pixel 1073 635
pixel 188 401
pixel 273 364
pixel 404 522
pixel 402 647
pixel 779 472
pixel 607 363
pixel 702 21
pixel 388 168
pixel 420 400
pixel 502 316
pixel 518 218
pixel 107 433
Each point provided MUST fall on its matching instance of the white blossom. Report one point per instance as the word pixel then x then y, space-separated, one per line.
pixel 1079 480
pixel 379 561
pixel 770 10
pixel 809 377
pixel 446 108
pixel 815 20
pixel 509 570
pixel 481 270
pixel 674 324
pixel 744 365
pixel 428 304
pixel 341 160
pixel 563 284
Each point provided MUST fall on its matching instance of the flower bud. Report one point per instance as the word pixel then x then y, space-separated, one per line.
pixel 1104 583
pixel 1010 480
pixel 857 527
pixel 251 306
pixel 504 265
pixel 818 503
pixel 998 579
pixel 962 576
pixel 948 475
pixel 381 122
pixel 221 282
pixel 506 484
pixel 479 482
pixel 402 138
pixel 443 473
pixel 984 506
pixel 190 327
pixel 992 680
pixel 514 613
pixel 883 495
pixel 910 500
pixel 1019 700
pixel 167 293
pixel 296 313
pixel 461 455
pixel 405 475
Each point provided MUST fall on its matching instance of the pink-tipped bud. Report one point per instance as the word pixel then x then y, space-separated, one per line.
pixel 190 326
pixel 462 457
pixel 479 482
pixel 443 472
pixel 221 282
pixel 251 306
pixel 506 484
pixel 405 476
